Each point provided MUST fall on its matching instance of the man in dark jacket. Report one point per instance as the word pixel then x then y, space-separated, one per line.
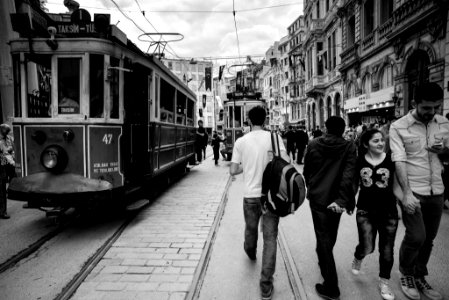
pixel 302 139
pixel 290 135
pixel 329 172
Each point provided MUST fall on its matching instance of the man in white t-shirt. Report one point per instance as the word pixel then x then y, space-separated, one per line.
pixel 250 156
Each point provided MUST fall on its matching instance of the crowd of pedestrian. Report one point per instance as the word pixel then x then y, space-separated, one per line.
pixel 400 163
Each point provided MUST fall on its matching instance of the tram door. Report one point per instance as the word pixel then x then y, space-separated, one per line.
pixel 135 146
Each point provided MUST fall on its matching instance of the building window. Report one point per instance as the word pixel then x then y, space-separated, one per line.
pixel 350 40
pixel 351 90
pixel 327 5
pixel 368 9
pixel 387 77
pixel 366 85
pixel 386 9
pixel 320 64
pixel 334 49
pixel 318 9
pixel 329 51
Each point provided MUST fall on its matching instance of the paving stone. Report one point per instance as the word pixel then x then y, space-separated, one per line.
pixel 114 269
pixel 178 296
pixel 164 277
pixel 185 263
pixel 152 296
pixel 167 270
pixel 133 262
pixel 142 286
pixel 188 270
pixel 174 287
pixel 110 286
pixel 122 295
pixel 134 277
pixel 140 270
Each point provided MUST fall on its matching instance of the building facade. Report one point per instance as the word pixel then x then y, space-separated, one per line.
pixel 390 47
pixel 296 34
pixel 198 77
pixel 322 48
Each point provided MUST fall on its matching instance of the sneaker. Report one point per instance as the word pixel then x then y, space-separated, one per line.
pixel 325 293
pixel 268 295
pixel 427 290
pixel 409 287
pixel 385 290
pixel 356 266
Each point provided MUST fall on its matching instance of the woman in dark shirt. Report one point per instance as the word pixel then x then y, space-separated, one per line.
pixel 376 207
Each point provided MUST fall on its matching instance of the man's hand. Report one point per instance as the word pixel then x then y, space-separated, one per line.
pixel 438 150
pixel 410 202
pixel 336 208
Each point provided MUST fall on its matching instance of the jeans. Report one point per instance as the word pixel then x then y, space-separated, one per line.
pixel 368 224
pixel 252 212
pixel 325 223
pixel 421 229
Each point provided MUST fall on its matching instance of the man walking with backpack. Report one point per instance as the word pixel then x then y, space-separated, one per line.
pixel 329 172
pixel 250 157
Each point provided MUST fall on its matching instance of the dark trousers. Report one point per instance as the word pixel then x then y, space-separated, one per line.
pixel 368 225
pixel 216 154
pixel 252 212
pixel 325 223
pixel 301 150
pixel 199 152
pixel 421 229
pixel 3 196
pixel 291 149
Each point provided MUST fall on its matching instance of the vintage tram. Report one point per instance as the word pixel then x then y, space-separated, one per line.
pixel 236 109
pixel 96 119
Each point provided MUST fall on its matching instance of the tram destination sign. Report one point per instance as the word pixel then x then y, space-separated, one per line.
pixel 76 29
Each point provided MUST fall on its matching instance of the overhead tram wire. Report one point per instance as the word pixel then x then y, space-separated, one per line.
pixel 236 31
pixel 130 19
pixel 143 14
pixel 194 11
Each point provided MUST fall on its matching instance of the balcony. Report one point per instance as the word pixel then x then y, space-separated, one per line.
pixel 369 40
pixel 315 27
pixel 349 56
pixel 315 85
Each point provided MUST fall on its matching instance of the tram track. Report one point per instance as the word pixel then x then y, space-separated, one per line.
pixel 22 254
pixel 292 271
pixel 92 262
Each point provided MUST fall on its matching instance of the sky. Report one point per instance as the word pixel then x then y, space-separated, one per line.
pixel 206 34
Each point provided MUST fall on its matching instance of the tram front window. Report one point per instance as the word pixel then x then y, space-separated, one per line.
pixel 38 72
pixel 69 85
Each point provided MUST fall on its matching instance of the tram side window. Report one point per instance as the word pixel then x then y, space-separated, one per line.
pixel 114 85
pixel 167 101
pixel 38 76
pixel 69 85
pixel 190 112
pixel 180 108
pixel 96 86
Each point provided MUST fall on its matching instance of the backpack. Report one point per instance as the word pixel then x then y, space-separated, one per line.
pixel 283 187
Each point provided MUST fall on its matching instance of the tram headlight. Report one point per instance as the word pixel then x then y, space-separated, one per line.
pixel 54 158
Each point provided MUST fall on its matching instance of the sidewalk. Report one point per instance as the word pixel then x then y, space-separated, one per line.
pixel 157 255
